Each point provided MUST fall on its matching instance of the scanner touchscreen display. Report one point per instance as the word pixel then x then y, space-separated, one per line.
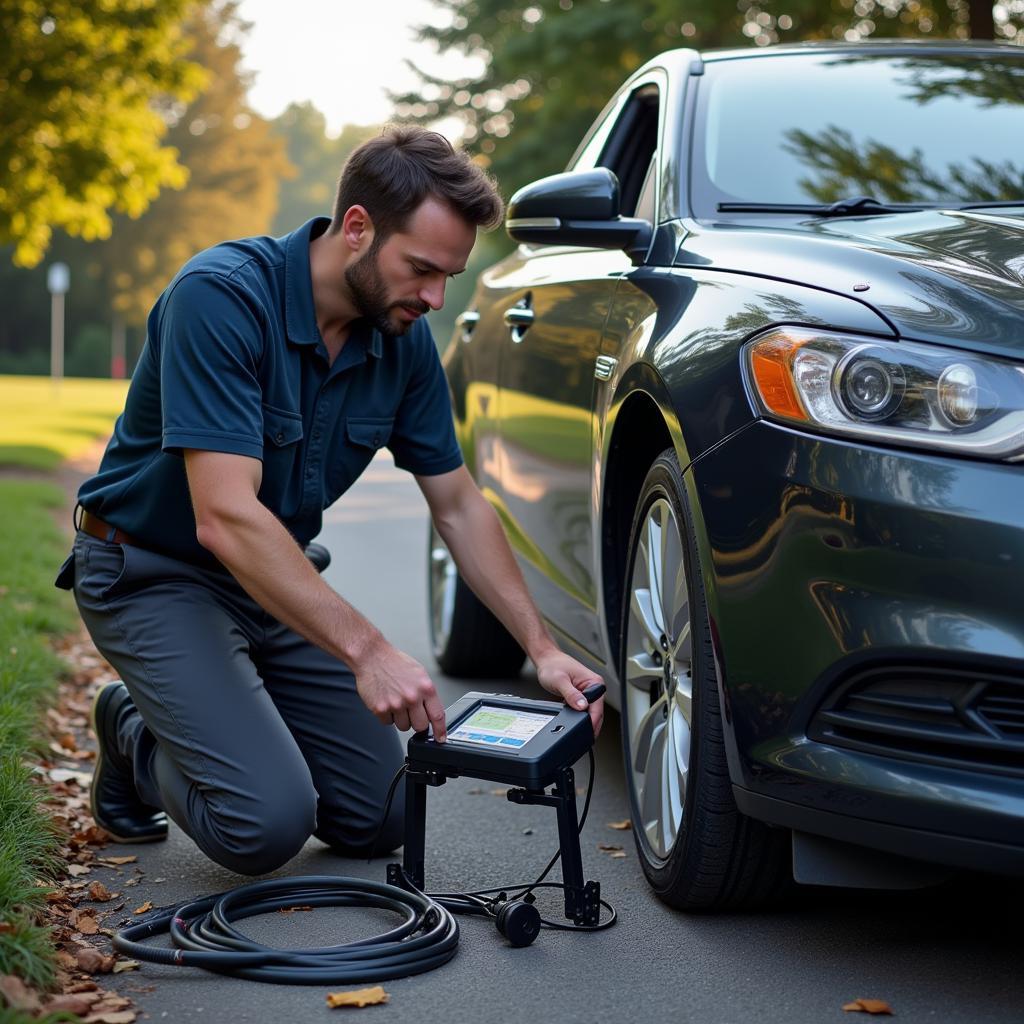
pixel 500 727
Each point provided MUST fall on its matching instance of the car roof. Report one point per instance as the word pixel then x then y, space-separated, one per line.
pixel 682 60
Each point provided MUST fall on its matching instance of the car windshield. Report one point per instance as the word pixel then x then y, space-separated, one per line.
pixel 899 128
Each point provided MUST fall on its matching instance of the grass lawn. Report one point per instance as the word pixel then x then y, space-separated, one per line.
pixel 31 610
pixel 43 422
pixel 41 425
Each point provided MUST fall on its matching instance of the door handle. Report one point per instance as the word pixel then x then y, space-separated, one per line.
pixel 466 321
pixel 518 319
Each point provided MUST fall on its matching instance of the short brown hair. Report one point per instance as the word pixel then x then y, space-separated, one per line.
pixel 392 174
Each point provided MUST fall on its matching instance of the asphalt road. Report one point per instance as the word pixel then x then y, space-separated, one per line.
pixel 951 954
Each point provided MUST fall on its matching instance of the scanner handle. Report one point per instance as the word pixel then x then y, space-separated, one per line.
pixel 595 691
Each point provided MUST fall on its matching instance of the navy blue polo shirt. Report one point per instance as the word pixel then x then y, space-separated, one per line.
pixel 234 362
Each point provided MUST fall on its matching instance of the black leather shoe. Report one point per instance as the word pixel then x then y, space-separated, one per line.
pixel 113 799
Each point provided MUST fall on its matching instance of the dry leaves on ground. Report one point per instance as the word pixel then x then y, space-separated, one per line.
pixel 65 775
pixel 359 997
pixel 868 1006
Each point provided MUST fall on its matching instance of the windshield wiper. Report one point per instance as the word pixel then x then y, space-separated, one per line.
pixel 855 206
pixel 860 206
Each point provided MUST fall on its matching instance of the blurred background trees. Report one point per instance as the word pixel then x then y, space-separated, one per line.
pixel 128 135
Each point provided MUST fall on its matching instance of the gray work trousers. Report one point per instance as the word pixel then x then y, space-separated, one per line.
pixel 248 736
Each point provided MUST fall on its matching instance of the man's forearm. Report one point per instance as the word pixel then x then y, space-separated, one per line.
pixel 264 558
pixel 478 545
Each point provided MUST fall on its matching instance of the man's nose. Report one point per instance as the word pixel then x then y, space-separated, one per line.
pixel 433 294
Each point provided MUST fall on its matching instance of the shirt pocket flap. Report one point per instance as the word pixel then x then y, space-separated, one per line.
pixel 281 428
pixel 369 432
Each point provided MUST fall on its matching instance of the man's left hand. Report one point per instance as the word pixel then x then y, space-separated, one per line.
pixel 566 678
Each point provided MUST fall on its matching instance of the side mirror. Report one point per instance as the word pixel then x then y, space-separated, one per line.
pixel 576 208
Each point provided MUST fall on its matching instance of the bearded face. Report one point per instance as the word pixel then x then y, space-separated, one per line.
pixel 369 292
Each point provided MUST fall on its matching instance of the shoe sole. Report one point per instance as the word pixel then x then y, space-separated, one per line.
pixel 95 776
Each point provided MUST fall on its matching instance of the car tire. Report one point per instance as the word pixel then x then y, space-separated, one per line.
pixel 467 639
pixel 697 850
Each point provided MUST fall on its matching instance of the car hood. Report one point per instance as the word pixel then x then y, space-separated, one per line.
pixel 952 277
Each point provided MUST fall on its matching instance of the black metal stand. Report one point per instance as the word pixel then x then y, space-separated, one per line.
pixel 582 899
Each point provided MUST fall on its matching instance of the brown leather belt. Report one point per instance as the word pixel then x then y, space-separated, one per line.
pixel 96 527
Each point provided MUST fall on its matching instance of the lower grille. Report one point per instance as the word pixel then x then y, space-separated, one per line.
pixel 946 716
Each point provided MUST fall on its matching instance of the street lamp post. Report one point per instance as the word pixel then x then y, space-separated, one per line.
pixel 58 280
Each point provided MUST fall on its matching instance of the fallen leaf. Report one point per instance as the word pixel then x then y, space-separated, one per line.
pixel 77 870
pixel 126 965
pixel 6 927
pixel 291 910
pixel 617 854
pixel 17 994
pixel 67 1004
pixel 67 775
pixel 145 908
pixel 499 792
pixel 114 1017
pixel 117 860
pixel 608 847
pixel 100 893
pixel 87 925
pixel 621 826
pixel 359 997
pixel 868 1006
pixel 92 961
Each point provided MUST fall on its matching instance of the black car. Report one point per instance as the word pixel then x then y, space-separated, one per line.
pixel 749 400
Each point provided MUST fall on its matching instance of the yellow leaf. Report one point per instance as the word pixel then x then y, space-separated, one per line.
pixel 868 1006
pixel 359 997
pixel 147 906
pixel 621 826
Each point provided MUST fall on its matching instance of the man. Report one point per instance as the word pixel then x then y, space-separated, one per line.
pixel 258 705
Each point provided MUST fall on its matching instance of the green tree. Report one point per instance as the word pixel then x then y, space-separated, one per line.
pixel 318 160
pixel 550 65
pixel 235 163
pixel 81 135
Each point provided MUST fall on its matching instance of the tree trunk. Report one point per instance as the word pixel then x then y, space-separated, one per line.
pixel 982 23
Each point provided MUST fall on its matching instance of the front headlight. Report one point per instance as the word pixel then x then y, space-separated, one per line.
pixel 887 391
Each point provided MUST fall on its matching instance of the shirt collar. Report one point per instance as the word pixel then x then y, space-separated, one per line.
pixel 300 313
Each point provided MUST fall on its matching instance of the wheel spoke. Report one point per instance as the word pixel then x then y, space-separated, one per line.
pixel 655 567
pixel 645 733
pixel 643 613
pixel 641 669
pixel 652 800
pixel 682 649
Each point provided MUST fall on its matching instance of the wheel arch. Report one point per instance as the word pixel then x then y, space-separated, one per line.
pixel 639 426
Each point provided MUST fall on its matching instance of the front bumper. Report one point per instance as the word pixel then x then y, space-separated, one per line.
pixel 823 560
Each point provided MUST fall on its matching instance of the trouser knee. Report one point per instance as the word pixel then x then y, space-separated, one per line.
pixel 258 845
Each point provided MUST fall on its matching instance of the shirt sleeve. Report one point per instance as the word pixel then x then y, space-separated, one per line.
pixel 211 341
pixel 423 438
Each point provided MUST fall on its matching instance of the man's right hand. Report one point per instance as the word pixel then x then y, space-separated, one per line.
pixel 399 690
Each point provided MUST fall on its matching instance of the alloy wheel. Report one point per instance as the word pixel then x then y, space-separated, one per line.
pixel 659 680
pixel 443 581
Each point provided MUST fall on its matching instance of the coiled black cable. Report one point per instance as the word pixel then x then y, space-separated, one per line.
pixel 204 936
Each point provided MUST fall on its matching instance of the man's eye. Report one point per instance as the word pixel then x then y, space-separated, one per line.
pixel 418 270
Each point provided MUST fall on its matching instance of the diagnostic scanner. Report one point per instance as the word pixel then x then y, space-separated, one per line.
pixel 506 739
pixel 528 744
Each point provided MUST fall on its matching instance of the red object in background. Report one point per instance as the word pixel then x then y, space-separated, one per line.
pixel 117 368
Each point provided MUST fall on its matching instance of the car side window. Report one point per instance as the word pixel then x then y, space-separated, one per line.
pixel 631 147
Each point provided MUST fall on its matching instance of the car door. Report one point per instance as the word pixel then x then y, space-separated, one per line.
pixel 554 302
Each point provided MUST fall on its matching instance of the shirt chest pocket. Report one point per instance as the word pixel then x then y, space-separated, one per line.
pixel 363 437
pixel 282 436
pixel 368 432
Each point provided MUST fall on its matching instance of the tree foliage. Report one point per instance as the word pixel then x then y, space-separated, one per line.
pixel 550 65
pixel 235 163
pixel 81 135
pixel 318 160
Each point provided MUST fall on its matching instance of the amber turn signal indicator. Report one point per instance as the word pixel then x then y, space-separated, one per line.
pixel 771 367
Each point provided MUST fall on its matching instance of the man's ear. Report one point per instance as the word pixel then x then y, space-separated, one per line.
pixel 357 228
